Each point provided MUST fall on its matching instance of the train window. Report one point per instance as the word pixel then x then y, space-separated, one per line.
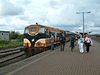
pixel 55 34
pixel 58 34
pixel 42 30
pixel 33 29
pixel 26 30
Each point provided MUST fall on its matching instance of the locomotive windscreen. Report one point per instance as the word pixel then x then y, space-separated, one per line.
pixel 31 29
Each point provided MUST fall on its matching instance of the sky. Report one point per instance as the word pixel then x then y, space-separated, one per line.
pixel 15 15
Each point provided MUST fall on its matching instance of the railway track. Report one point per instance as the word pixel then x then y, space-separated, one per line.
pixel 9 56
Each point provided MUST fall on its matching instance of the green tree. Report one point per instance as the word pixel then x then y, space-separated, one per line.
pixel 20 37
pixel 16 35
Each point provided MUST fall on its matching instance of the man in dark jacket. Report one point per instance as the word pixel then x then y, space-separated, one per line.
pixel 62 41
pixel 52 41
pixel 72 40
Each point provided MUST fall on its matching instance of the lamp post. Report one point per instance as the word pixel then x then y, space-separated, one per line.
pixel 83 13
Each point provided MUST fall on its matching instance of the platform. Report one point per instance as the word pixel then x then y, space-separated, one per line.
pixel 65 62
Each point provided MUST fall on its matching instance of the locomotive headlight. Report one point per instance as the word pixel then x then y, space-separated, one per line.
pixel 42 44
pixel 32 40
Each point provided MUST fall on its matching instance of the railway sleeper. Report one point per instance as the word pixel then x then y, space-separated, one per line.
pixel 10 57
pixel 9 53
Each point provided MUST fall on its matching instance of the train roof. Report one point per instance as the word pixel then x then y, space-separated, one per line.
pixel 47 27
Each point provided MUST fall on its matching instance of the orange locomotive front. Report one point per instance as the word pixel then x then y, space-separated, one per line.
pixel 37 38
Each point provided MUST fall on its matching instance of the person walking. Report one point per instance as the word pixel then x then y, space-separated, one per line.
pixel 81 43
pixel 88 42
pixel 52 41
pixel 72 40
pixel 62 41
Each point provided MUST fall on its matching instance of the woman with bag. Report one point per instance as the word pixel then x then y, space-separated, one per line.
pixel 88 42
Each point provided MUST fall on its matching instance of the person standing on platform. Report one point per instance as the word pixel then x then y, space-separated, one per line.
pixel 72 40
pixel 52 41
pixel 62 41
pixel 88 42
pixel 81 43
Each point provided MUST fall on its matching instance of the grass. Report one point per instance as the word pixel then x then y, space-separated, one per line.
pixel 10 43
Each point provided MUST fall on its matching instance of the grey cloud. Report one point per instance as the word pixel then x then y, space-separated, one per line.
pixel 23 2
pixel 53 4
pixel 3 25
pixel 67 26
pixel 8 9
pixel 97 26
pixel 56 13
pixel 23 18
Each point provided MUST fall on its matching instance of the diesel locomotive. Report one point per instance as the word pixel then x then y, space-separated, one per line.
pixel 37 38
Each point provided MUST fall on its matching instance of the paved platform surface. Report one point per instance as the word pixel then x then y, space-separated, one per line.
pixel 64 63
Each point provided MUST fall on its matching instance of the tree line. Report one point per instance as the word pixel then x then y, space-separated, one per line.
pixel 15 35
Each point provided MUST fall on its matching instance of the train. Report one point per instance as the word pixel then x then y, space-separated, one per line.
pixel 37 38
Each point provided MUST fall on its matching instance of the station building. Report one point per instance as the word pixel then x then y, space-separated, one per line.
pixel 4 35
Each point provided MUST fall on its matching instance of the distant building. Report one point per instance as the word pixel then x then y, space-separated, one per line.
pixel 4 35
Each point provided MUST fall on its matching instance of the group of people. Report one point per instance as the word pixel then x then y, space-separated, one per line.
pixel 84 43
pixel 62 40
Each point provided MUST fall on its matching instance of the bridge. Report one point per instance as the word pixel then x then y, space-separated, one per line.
pixel 56 62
